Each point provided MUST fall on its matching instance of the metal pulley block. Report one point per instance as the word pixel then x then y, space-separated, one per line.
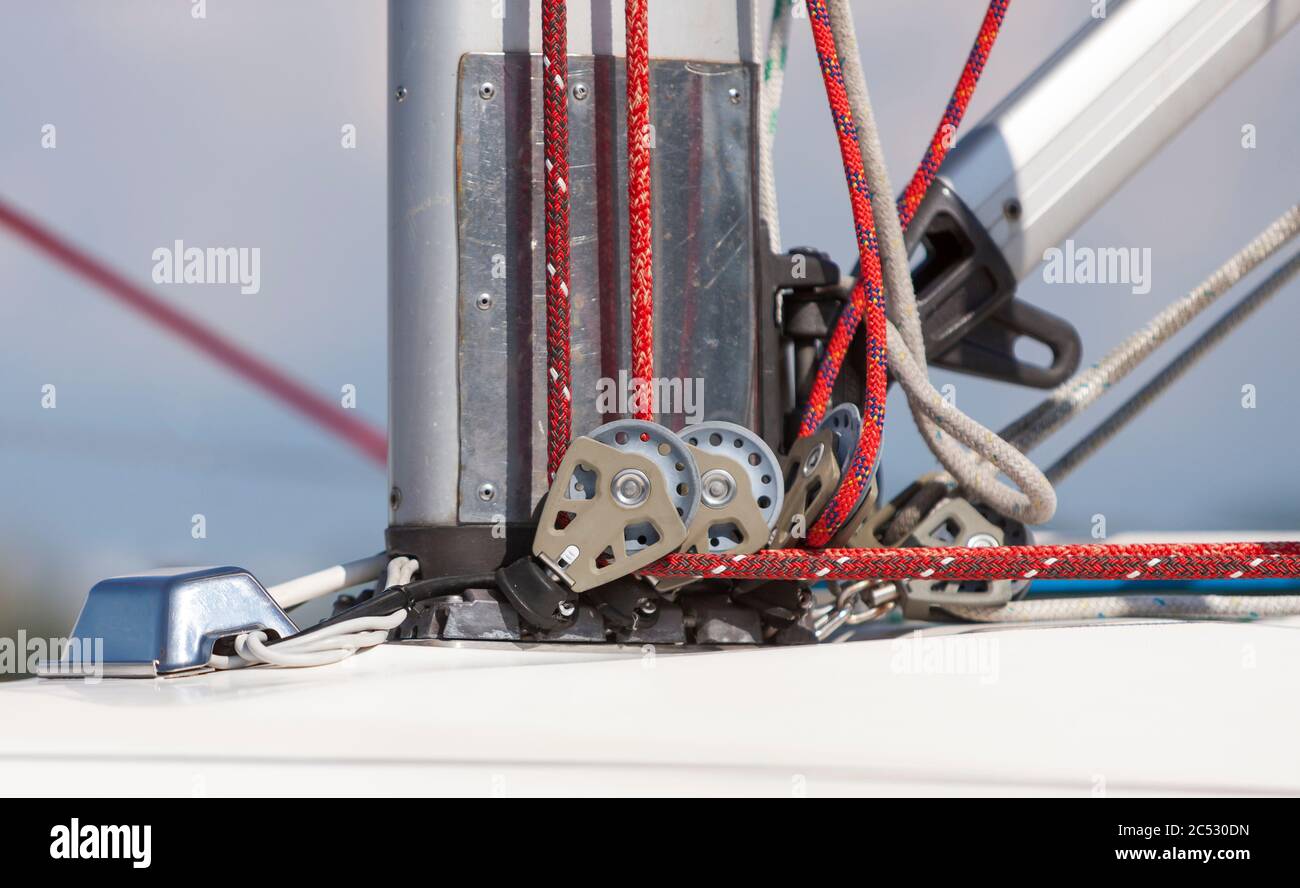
pixel 811 476
pixel 741 492
pixel 622 499
pixel 955 521
pixel 878 529
pixel 856 531
pixel 845 423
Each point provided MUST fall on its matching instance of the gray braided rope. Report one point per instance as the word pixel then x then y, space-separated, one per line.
pixel 1076 394
pixel 1186 359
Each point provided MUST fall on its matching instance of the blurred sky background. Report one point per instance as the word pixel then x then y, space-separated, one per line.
pixel 226 131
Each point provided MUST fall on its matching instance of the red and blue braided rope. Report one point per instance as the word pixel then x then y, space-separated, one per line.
pixel 869 290
pixel 868 302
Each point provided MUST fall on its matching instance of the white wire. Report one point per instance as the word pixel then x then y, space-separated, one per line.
pixel 401 570
pixel 328 645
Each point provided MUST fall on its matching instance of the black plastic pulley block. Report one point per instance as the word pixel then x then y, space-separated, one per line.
pixel 540 601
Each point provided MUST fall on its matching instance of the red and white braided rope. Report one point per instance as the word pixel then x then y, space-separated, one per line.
pixel 640 232
pixel 555 91
pixel 1152 561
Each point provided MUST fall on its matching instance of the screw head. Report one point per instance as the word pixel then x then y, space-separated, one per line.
pixel 717 488
pixel 734 95
pixel 630 487
pixel 487 492
pixel 981 541
pixel 1012 209
pixel 487 90
pixel 400 93
pixel 565 609
pixel 647 607
pixel 580 91
pixel 483 301
pixel 394 498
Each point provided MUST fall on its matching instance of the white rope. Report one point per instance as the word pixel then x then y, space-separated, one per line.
pixel 1110 607
pixel 769 105
pixel 1034 506
pixel 401 570
pixel 328 645
pixel 323 646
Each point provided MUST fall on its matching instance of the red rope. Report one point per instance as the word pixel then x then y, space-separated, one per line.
pixel 360 434
pixel 1156 561
pixel 868 298
pixel 946 131
pixel 859 471
pixel 640 241
pixel 555 77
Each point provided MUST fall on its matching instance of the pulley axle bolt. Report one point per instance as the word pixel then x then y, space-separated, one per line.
pixel 631 487
pixel 580 91
pixel 487 492
pixel 565 609
pixel 487 90
pixel 718 488
pixel 981 541
pixel 814 459
pixel 647 608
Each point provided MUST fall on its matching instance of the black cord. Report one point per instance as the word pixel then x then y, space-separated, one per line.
pixel 397 597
